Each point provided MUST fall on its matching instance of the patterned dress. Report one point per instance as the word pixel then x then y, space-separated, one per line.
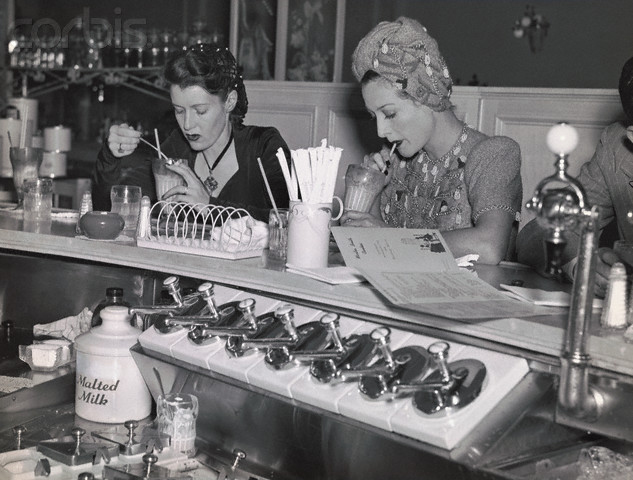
pixel 478 174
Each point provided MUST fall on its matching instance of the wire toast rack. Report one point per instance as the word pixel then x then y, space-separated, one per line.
pixel 199 229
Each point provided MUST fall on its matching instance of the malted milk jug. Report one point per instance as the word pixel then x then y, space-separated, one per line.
pixel 109 386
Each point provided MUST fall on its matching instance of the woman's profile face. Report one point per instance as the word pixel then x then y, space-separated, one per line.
pixel 398 119
pixel 202 117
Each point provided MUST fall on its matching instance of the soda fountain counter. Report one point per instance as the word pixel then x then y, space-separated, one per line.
pixel 300 379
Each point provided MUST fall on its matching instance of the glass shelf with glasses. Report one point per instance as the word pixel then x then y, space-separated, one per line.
pixel 41 81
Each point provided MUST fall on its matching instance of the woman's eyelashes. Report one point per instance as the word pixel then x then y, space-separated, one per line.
pixel 389 115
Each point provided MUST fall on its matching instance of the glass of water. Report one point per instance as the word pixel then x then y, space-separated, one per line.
pixel 126 201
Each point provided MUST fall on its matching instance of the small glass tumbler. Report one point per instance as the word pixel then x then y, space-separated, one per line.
pixel 38 199
pixel 126 201
pixel 26 164
pixel 176 416
pixel 278 234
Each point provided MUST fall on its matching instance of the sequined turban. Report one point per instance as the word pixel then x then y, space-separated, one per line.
pixel 405 54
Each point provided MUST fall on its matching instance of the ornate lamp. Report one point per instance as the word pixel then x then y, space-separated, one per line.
pixel 532 25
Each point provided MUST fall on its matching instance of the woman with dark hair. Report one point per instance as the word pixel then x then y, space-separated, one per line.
pixel 220 152
pixel 440 173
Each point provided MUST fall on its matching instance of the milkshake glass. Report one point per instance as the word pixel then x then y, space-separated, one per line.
pixel 362 185
pixel 164 178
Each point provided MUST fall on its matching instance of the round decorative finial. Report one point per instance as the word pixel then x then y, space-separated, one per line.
pixel 562 139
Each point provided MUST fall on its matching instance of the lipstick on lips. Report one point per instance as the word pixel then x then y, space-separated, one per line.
pixel 192 137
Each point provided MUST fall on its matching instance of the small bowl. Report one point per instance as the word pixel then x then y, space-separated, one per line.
pixel 101 225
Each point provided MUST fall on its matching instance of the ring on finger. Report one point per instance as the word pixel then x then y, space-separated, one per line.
pixel 121 148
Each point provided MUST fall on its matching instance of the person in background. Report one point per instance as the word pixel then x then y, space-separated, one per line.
pixel 608 182
pixel 221 168
pixel 445 175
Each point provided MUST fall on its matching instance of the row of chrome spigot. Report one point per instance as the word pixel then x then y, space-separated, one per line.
pixel 382 373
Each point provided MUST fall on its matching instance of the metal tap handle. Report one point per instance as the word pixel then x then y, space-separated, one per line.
pixel 286 315
pixel 77 433
pixel 173 285
pixel 239 456
pixel 439 351
pixel 149 459
pixel 206 290
pixel 381 337
pixel 131 425
pixel 331 321
pixel 18 430
pixel 247 309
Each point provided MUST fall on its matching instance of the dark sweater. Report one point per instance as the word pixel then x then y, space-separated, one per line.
pixel 245 189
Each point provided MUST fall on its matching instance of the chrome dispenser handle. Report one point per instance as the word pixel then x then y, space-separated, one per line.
pixel 329 322
pixel 173 285
pixel 206 290
pixel 385 365
pixel 452 385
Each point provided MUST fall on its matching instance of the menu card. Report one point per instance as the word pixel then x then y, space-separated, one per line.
pixel 414 269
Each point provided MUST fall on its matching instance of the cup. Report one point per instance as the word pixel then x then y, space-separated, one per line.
pixel 126 201
pixel 362 185
pixel 176 415
pixel 278 234
pixel 309 233
pixel 38 199
pixel 164 178
pixel 26 163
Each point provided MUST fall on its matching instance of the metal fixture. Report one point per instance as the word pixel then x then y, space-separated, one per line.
pixel 532 26
pixel 559 209
pixel 593 401
pixel 342 354
pixel 185 312
pixel 450 386
pixel 76 452
pixel 299 342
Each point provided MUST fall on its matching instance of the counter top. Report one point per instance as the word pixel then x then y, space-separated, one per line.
pixel 535 337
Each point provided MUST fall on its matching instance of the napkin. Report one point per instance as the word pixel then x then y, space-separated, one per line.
pixel 68 327
pixel 543 297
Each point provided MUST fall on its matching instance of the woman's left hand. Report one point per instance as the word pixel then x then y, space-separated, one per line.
pixel 193 192
pixel 352 218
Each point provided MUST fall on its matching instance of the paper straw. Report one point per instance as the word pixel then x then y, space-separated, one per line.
pixel 283 163
pixel 25 122
pixel 393 149
pixel 388 162
pixel 10 141
pixel 160 154
pixel 270 193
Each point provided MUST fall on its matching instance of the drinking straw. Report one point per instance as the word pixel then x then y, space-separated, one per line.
pixel 25 121
pixel 270 193
pixel 283 163
pixel 10 141
pixel 157 143
pixel 393 149
pixel 159 152
pixel 388 162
